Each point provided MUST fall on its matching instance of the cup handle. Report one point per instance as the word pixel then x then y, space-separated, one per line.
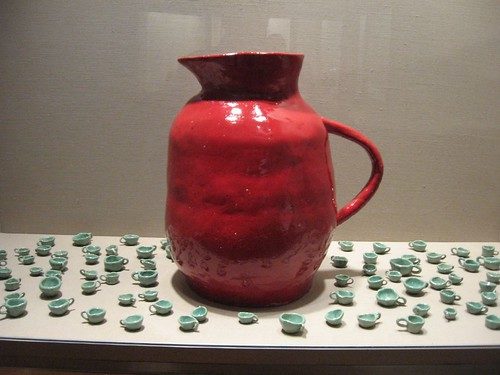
pixel 125 261
pixel 152 308
pixel 141 295
pixel 122 240
pixel 350 281
pixel 154 247
pixel 401 301
pixel 457 297
pixel 98 284
pixel 384 282
pixel 402 322
pixel 416 269
pixel 122 322
pixel 135 277
pixel 410 243
pixel 71 301
pixel 333 296
pixel 2 308
pixel 484 310
pixel 84 315
pixel 461 261
pixel 102 278
pixel 371 186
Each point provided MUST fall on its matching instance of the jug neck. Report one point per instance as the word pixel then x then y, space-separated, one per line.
pixel 246 75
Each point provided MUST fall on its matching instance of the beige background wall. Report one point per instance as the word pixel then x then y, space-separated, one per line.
pixel 88 90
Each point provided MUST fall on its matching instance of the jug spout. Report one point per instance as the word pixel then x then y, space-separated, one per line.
pixel 246 75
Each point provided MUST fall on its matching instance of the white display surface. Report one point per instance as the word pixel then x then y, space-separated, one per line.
pixel 222 328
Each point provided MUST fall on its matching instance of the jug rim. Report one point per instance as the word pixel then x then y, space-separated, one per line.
pixel 238 53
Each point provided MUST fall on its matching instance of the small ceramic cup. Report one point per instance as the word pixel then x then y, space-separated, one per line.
pixel 492 322
pixel 14 295
pixel 13 307
pixel 60 254
pixel 448 296
pixel 50 286
pixel 22 251
pixel 114 263
pixel 92 249
pixel 493 277
pixel 411 257
pixel 3 254
pixel 43 250
pixel 380 248
pixel 415 285
pixel 166 243
pixel 490 263
pixel 339 261
pixel 342 280
pixel 470 265
pixel 388 297
pixel 334 317
pixel 418 245
pixel 376 282
pixel 404 266
pixel 368 320
pixel 369 269
pixel 489 298
pixel 476 308
pixel 346 245
pixel 455 279
pixel 126 299
pixel 439 283
pixel 111 250
pixel 145 252
pixel 161 307
pixel 36 271
pixel 26 259
pixel 149 295
pixel 412 323
pixel 188 323
pixel 94 315
pixel 460 252
pixel 82 239
pixel 89 274
pixel 148 264
pixel 58 263
pixel 435 258
pixel 487 286
pixel 5 273
pixel 111 278
pixel 245 317
pixel 421 309
pixel 12 284
pixel 445 268
pixel 60 306
pixel 91 259
pixel 393 276
pixel 488 251
pixel 342 297
pixel 145 277
pixel 450 313
pixel 292 323
pixel 46 241
pixel 129 239
pixel 200 313
pixel 90 287
pixel 56 273
pixel 370 257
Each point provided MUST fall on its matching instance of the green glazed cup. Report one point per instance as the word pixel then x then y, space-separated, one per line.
pixel 369 269
pixel 14 307
pixel 145 252
pixel 376 282
pixel 455 279
pixel 491 263
pixel 55 273
pixel 26 259
pixel 14 295
pixel 5 273
pixel 126 299
pixel 368 320
pixel 89 274
pixel 334 317
pixel 445 268
pixel 380 248
pixel 200 313
pixel 50 286
pixel 339 261
pixel 145 277
pixel 60 254
pixel 342 297
pixel 418 245
pixel 448 296
pixel 492 322
pixel 487 286
pixel 488 251
pixel 493 277
pixel 460 252
pixel 22 251
pixel 3 254
pixel 413 323
pixel 161 307
pixel 346 245
pixel 414 285
pixel 489 298
pixel 129 239
pixel 114 263
pixel 245 317
pixel 36 271
pixel 188 323
pixel 450 313
pixel 92 249
pixel 394 276
pixel 421 309
pixel 388 297
pixel 411 257
pixel 292 323
pixel 438 283
pixel 82 239
pixel 90 287
pixel 476 308
pixel 148 264
pixel 112 250
pixel 60 306
pixel 91 259
pixel 370 257
pixel 342 280
pixel 149 295
pixel 12 284
pixel 110 278
pixel 435 258
pixel 46 241
pixel 404 266
pixel 470 265
pixel 58 263
pixel 43 250
pixel 95 315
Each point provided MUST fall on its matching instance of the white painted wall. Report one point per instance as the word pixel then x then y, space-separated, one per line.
pixel 88 90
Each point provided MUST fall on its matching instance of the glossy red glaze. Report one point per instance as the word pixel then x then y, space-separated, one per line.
pixel 251 194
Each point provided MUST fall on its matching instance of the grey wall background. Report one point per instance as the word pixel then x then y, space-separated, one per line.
pixel 88 90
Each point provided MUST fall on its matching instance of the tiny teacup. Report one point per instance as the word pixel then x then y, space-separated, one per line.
pixel 476 308
pixel 58 263
pixel 470 265
pixel 421 309
pixel 112 250
pixel 36 271
pixel 92 249
pixel 60 254
pixel 22 251
pixel 14 295
pixel 292 323
pixel 110 278
pixel 412 323
pixel 3 254
pixel 489 298
pixel 445 268
pixel 50 286
pixel 491 263
pixel 370 257
pixel 126 299
pixel 82 239
pixel 342 280
pixel 148 264
pixel 60 306
pixel 411 257
pixel 455 279
pixel 94 315
pixel 130 239
pixel 380 248
pixel 369 269
pixel 188 323
pixel 388 297
pixel 89 274
pixel 245 317
pixel 5 273
pixel 368 320
pixel 488 251
pixel 493 277
pixel 14 307
pixel 334 317
pixel 492 321
pixel 200 313
pixel 448 296
pixel 90 287
pixel 114 263
pixel 342 297
pixel 339 261
pixel 43 250
pixel 3 263
pixel 394 276
pixel 91 259
pixel 414 285
pixel 46 241
pixel 435 258
pixel 418 245
pixel 26 259
pixel 145 252
pixel 487 286
pixel 161 307
pixel 439 283
pixel 462 252
pixel 56 273
pixel 149 295
pixel 404 266
pixel 450 313
pixel 145 277
pixel 346 245
pixel 376 282
pixel 12 284
pixel 166 243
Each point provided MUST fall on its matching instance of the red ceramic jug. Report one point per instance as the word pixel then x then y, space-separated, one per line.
pixel 251 196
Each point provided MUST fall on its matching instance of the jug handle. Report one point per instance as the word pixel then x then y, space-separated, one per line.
pixel 371 186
